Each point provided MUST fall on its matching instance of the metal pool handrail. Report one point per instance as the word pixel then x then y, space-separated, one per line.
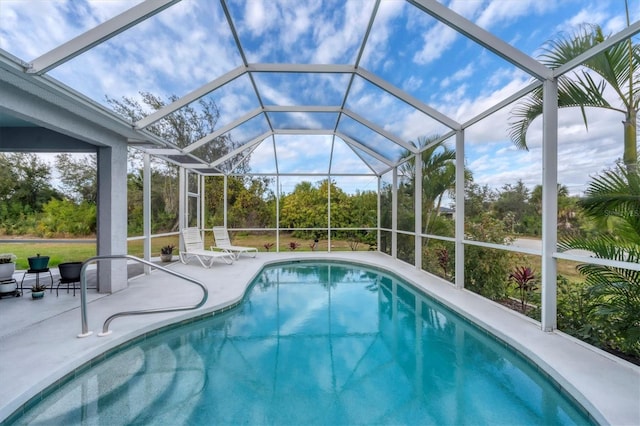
pixel 105 327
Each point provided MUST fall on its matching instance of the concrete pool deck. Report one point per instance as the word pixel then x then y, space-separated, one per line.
pixel 38 343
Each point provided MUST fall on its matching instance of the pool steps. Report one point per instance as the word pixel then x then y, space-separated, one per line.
pixel 159 364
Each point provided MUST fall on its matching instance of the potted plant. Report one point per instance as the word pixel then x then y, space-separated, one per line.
pixel 38 263
pixel 37 291
pixel 166 253
pixel 7 268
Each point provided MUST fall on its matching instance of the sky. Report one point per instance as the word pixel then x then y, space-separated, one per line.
pixel 191 44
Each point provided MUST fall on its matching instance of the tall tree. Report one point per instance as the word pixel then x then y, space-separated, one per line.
pixel 438 176
pixel 512 206
pixel 79 177
pixel 30 181
pixel 183 127
pixel 617 73
pixel 305 207
pixel 477 200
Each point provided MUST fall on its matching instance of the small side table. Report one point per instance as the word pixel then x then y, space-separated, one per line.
pixel 37 272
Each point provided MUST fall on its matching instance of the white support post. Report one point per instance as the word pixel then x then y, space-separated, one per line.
pixel 146 210
pixel 329 213
pixel 224 202
pixel 394 214
pixel 199 202
pixel 459 225
pixel 278 191
pixel 378 218
pixel 417 207
pixel 549 203
pixel 182 202
pixel 201 193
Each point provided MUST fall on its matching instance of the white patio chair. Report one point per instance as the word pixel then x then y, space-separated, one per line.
pixel 194 247
pixel 223 242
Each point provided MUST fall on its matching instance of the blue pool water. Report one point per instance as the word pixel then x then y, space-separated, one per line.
pixel 317 343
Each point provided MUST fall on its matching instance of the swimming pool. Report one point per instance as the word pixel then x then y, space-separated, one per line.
pixel 315 343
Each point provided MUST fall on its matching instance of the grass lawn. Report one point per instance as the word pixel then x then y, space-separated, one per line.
pixel 57 252
pixel 60 252
pixel 72 252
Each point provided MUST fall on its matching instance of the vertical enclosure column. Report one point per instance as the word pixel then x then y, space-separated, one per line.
pixel 224 201
pixel 278 191
pixel 329 212
pixel 549 203
pixel 394 214
pixel 459 229
pixel 201 197
pixel 146 210
pixel 417 208
pixel 182 203
pixel 378 218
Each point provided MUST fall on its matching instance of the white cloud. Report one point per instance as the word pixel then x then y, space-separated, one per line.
pixel 467 8
pixel 334 39
pixel 497 12
pixel 412 83
pixel 437 40
pixel 459 75
pixel 256 18
pixel 590 15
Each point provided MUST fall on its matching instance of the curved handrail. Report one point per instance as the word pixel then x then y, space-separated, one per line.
pixel 105 327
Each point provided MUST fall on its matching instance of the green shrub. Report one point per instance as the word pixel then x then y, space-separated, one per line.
pixel 486 270
pixel 66 218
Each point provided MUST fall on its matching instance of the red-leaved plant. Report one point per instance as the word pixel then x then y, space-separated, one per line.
pixel 525 281
pixel 293 245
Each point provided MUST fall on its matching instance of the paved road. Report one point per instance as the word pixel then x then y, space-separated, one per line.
pixel 535 244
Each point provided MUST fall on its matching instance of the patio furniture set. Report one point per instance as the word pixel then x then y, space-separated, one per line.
pixel 69 275
pixel 223 248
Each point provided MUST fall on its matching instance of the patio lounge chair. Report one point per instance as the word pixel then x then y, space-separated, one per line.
pixel 194 247
pixel 223 242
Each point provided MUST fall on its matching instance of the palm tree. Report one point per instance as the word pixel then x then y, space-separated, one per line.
pixel 438 176
pixel 614 195
pixel 618 69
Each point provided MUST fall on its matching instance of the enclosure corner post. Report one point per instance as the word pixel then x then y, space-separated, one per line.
pixel 459 197
pixel 549 204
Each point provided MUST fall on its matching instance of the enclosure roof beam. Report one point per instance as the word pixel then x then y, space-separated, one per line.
pixel 302 108
pixel 255 141
pixel 221 131
pixel 328 132
pixel 336 109
pixel 302 68
pixel 404 96
pixel 484 38
pixel 189 98
pixel 497 107
pixel 97 35
pixel 379 130
pixel 369 151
